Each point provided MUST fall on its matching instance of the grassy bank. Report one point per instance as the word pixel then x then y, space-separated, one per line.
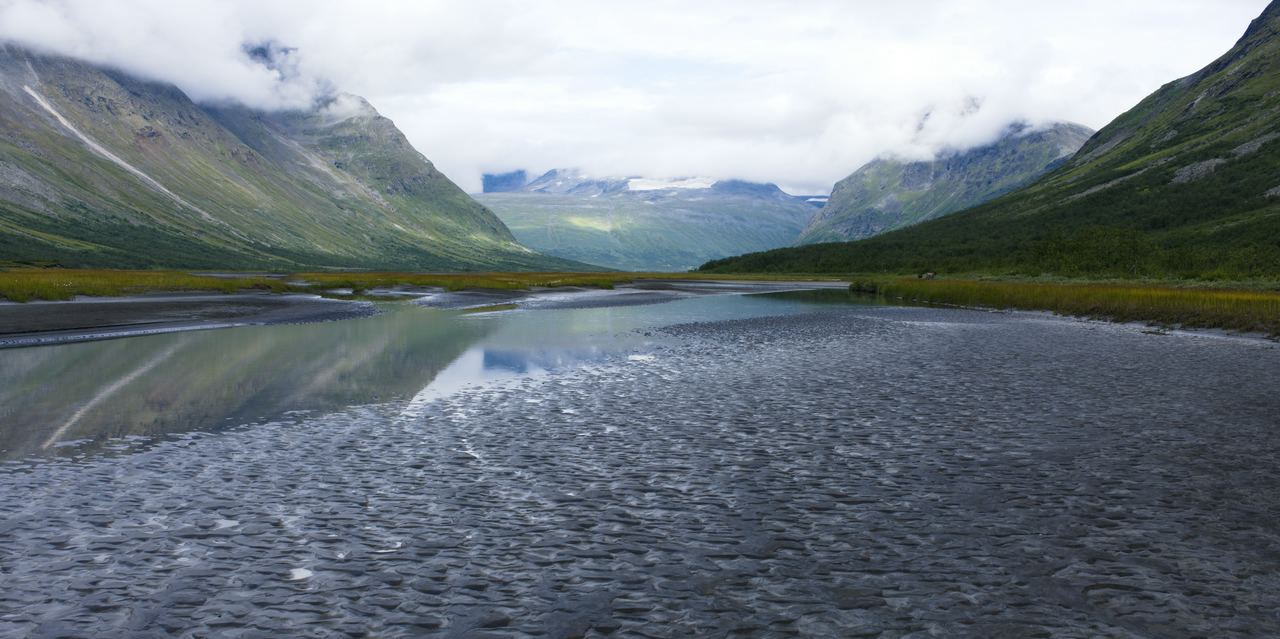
pixel 23 285
pixel 1232 309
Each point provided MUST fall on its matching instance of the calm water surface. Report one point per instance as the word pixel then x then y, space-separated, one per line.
pixel 109 395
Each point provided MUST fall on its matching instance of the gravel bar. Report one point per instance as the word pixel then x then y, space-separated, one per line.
pixel 887 472
pixel 92 318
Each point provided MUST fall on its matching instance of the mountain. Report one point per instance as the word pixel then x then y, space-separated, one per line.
pixel 888 194
pixel 102 169
pixel 1185 184
pixel 504 182
pixel 639 224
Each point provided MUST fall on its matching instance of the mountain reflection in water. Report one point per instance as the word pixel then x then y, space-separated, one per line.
pixel 83 398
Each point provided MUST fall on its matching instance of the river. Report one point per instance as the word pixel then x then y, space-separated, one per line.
pixel 782 465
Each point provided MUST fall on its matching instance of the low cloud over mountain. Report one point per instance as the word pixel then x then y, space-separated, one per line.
pixel 799 95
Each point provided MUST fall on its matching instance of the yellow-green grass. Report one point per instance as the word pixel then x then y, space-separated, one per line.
pixel 1240 310
pixel 22 285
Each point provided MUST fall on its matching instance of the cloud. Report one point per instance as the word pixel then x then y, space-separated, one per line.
pixel 796 93
pixel 197 44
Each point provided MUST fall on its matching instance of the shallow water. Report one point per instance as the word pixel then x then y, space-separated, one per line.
pixel 865 472
pixel 88 398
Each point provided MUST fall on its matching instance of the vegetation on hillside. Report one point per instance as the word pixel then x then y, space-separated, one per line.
pixel 1185 185
pixel 888 194
pixel 1013 250
pixel 653 230
pixel 148 179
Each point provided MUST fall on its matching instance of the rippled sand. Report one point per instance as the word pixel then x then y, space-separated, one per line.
pixel 885 472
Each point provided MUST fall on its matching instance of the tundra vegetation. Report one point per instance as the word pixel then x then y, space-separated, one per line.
pixel 1184 185
pixel 887 193
pixel 1167 306
pixel 665 225
pixel 24 285
pixel 178 185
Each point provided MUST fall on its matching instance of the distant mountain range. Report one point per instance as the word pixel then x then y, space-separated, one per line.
pixel 640 224
pixel 102 169
pixel 888 194
pixel 1185 184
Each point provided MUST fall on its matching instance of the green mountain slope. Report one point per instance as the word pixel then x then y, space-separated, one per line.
pixel 887 194
pixel 635 224
pixel 100 169
pixel 1187 183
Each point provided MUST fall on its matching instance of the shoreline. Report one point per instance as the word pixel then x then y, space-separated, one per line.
pixel 637 292
pixel 93 318
pixel 82 319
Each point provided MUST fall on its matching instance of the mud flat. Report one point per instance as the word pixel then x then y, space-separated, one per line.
pixel 35 323
pixel 878 472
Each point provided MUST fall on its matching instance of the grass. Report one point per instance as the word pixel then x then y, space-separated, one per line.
pixel 23 285
pixel 1231 309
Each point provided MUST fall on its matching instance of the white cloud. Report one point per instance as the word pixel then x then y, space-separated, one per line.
pixel 797 93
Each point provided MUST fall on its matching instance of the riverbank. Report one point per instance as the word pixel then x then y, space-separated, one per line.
pixel 1247 311
pixel 635 292
pixel 91 318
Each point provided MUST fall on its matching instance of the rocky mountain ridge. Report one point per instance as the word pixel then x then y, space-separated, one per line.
pixel 102 169
pixel 1185 184
pixel 887 193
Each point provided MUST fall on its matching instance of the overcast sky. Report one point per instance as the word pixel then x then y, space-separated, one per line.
pixel 799 93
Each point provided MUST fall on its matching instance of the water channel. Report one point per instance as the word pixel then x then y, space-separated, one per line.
pixel 797 464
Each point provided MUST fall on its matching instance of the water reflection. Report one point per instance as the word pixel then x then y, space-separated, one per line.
pixel 92 392
pixel 206 380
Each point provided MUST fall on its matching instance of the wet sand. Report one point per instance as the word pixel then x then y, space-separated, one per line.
pixel 82 319
pixel 884 472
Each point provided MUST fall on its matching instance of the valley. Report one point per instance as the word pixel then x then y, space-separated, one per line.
pixel 637 224
pixel 266 371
